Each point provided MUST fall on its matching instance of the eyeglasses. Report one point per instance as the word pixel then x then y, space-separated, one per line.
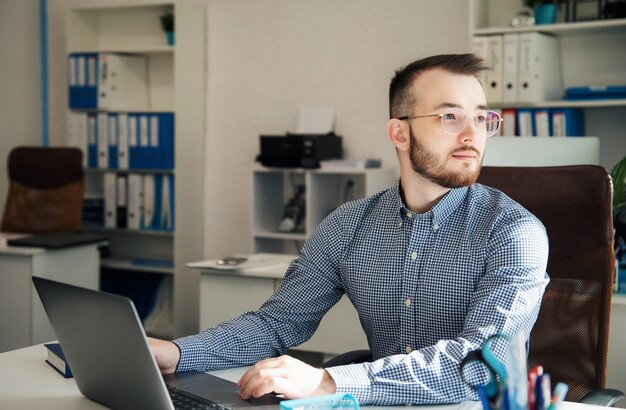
pixel 454 119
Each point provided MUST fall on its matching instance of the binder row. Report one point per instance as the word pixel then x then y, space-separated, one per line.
pixel 123 140
pixel 543 122
pixel 524 67
pixel 136 201
pixel 107 81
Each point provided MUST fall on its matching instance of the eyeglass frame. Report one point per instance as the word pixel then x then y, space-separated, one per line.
pixel 411 117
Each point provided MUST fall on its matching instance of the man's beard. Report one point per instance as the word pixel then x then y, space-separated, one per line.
pixel 426 164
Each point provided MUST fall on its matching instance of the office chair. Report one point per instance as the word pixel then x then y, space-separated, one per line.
pixel 570 337
pixel 45 192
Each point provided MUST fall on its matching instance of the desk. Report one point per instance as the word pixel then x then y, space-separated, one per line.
pixel 225 294
pixel 27 382
pixel 23 321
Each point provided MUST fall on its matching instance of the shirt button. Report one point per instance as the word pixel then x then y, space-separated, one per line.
pixel 407 302
pixel 414 255
pixel 408 349
pixel 435 227
pixel 400 224
pixel 409 215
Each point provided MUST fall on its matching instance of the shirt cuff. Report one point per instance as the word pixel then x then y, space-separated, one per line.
pixel 192 354
pixel 353 379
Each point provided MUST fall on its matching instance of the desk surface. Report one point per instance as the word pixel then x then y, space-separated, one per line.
pixel 27 382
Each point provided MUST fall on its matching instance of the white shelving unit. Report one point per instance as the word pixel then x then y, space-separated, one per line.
pixel 590 54
pixel 325 190
pixel 176 83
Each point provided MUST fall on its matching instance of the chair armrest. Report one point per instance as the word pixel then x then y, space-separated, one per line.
pixel 603 397
pixel 354 356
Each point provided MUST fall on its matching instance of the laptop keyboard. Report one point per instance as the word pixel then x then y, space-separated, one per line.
pixel 183 400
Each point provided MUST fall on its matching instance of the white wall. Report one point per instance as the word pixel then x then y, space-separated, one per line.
pixel 268 58
pixel 20 102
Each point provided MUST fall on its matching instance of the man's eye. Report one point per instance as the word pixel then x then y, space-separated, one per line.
pixel 448 116
pixel 481 118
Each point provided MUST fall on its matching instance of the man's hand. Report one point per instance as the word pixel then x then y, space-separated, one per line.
pixel 166 354
pixel 287 376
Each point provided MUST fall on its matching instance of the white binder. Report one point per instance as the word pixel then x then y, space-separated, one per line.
pixel 122 141
pixel 493 91
pixel 149 201
pixel 103 140
pixel 480 49
pixel 122 81
pixel 135 201
pixel 510 67
pixel 110 200
pixel 77 132
pixel 542 122
pixel 539 69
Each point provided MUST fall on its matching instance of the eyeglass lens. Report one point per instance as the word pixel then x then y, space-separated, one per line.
pixel 454 121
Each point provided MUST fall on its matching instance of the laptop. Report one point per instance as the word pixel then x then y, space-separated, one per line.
pixel 107 350
pixel 57 240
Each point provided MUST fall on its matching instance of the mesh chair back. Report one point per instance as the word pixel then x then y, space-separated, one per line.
pixel 570 337
pixel 46 190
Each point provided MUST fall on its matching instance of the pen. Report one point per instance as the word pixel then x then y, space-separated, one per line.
pixel 482 395
pixel 559 395
pixel 532 379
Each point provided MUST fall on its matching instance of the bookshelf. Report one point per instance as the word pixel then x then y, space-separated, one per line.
pixel 589 57
pixel 175 78
pixel 324 190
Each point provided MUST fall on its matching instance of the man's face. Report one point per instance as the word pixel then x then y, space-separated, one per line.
pixel 450 161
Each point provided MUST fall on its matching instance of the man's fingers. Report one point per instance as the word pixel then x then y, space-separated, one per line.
pixel 263 364
pixel 257 380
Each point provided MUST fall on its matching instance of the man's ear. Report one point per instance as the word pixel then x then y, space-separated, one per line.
pixel 398 134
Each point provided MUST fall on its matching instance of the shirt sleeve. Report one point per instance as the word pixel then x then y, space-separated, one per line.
pixel 506 300
pixel 290 317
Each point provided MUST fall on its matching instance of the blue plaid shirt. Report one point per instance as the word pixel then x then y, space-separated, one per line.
pixel 428 288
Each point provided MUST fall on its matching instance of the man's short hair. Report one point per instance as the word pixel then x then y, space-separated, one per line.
pixel 401 97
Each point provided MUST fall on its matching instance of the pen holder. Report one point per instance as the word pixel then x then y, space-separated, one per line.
pixel 330 401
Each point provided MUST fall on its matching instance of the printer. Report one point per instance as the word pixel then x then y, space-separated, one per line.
pixel 298 150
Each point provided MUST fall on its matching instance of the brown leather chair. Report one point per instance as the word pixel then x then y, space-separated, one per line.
pixel 570 337
pixel 45 192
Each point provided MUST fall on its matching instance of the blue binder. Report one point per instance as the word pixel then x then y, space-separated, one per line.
pixel 567 122
pixel 526 122
pixel 92 140
pixel 134 160
pixel 113 140
pixel 166 141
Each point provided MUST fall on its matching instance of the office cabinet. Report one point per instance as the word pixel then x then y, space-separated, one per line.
pixel 173 77
pixel 589 56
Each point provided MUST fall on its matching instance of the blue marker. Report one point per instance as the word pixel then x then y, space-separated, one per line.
pixel 560 391
pixel 482 395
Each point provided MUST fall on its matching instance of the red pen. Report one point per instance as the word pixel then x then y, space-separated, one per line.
pixel 532 378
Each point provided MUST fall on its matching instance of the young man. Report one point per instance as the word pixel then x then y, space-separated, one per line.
pixel 433 265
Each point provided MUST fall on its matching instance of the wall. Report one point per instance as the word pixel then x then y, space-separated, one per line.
pixel 20 105
pixel 266 59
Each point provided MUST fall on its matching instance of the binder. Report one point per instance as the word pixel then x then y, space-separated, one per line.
pixel 133 142
pixel 543 127
pixel 113 135
pixel 110 200
pixel 121 202
pixel 77 133
pixel 509 125
pixel 135 201
pixel 525 122
pixel 166 141
pixel 539 68
pixel 122 81
pixel 82 74
pixel 568 122
pixel 153 149
pixel 149 202
pixel 144 142
pixel 56 360
pixel 480 49
pixel 103 140
pixel 166 218
pixel 92 140
pixel 510 67
pixel 493 91
pixel 122 141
